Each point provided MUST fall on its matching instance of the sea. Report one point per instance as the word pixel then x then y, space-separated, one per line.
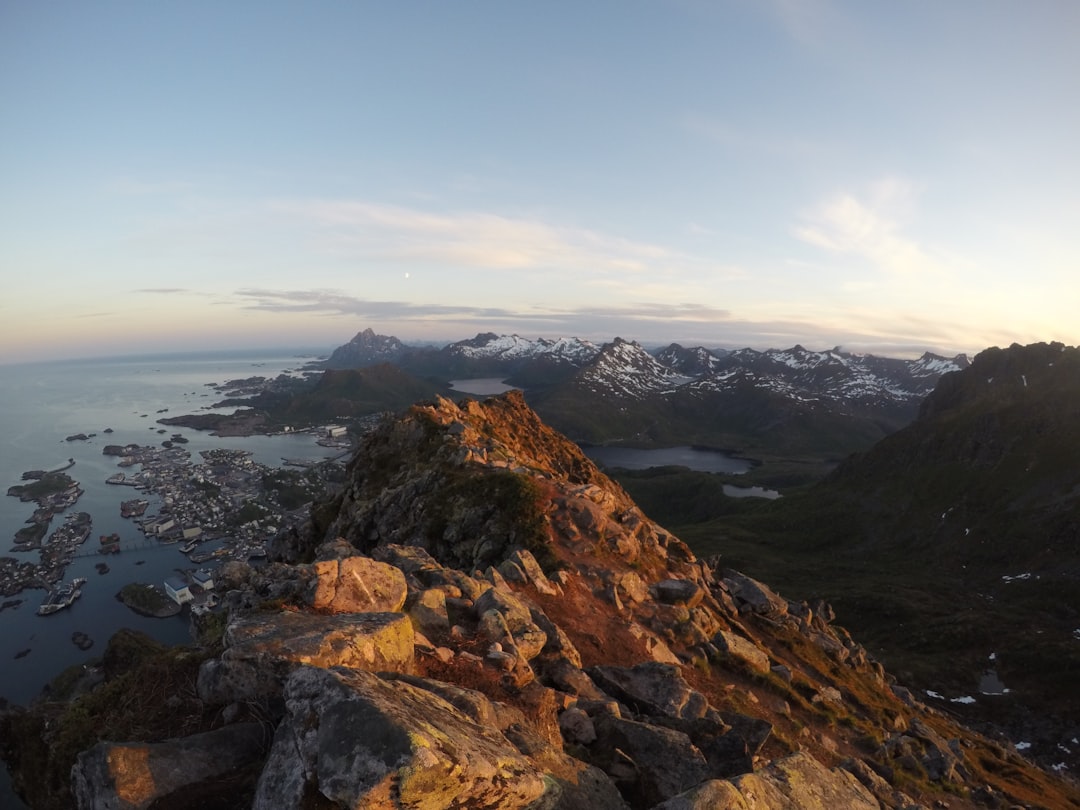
pixel 41 405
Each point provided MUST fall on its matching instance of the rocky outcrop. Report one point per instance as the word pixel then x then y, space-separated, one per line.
pixel 798 781
pixel 553 650
pixel 360 741
pixel 176 773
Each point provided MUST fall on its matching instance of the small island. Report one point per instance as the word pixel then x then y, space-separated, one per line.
pixel 148 600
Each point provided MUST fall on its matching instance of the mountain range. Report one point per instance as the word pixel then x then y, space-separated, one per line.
pixel 779 403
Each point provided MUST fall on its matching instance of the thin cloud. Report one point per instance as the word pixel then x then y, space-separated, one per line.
pixel 870 229
pixel 166 291
pixel 475 240
pixel 337 302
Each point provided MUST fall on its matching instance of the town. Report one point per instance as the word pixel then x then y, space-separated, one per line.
pixel 224 506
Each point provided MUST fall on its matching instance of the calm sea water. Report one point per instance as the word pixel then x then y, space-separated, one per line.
pixel 42 404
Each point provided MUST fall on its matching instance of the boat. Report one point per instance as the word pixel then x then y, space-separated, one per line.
pixel 62 596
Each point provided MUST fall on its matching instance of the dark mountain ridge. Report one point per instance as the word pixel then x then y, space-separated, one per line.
pixel 952 546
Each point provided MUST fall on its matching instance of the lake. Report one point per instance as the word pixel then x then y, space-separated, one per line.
pixel 482 386
pixel 695 458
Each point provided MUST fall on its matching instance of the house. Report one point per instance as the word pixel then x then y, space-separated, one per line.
pixel 178 590
pixel 336 431
pixel 204 578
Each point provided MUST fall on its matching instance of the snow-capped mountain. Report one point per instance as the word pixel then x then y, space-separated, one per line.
pixel 488 345
pixel 809 376
pixel 624 370
pixel 694 362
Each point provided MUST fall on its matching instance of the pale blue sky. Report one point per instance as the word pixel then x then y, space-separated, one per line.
pixel 884 176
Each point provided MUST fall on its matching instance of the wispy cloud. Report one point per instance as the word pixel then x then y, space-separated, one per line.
pixel 167 291
pixel 337 302
pixel 477 240
pixel 870 228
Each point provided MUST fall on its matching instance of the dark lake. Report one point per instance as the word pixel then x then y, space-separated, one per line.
pixel 695 458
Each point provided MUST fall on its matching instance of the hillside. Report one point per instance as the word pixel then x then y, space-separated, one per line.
pixel 952 547
pixel 482 618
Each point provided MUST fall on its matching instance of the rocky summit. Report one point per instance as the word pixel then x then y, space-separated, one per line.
pixel 480 618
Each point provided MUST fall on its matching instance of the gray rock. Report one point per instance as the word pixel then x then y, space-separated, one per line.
pixel 534 574
pixel 715 794
pixel 356 740
pixel 262 648
pixel 527 637
pixel 651 688
pixel 753 597
pixel 679 592
pixel 131 776
pixel 358 585
pixel 800 782
pixel 429 614
pixel 742 650
pixel 649 764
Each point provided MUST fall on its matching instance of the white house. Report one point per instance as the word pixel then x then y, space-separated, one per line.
pixel 178 590
pixel 204 578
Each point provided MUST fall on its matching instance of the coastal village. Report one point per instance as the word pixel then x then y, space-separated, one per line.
pixel 223 506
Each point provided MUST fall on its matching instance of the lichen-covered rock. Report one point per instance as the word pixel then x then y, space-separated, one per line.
pixel 715 794
pixel 527 637
pixel 355 740
pixel 742 650
pixel 262 648
pixel 132 776
pixel 800 782
pixel 358 585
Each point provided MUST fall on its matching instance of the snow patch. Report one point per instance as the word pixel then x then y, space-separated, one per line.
pixel 934 694
pixel 1018 577
pixel 1023 746
pixel 964 699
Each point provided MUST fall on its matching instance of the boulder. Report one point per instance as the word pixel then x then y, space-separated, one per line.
pixel 358 585
pixel 800 782
pixel 262 648
pixel 649 764
pixel 131 776
pixel 742 650
pixel 752 596
pixel 679 592
pixel 534 574
pixel 715 794
pixel 429 614
pixel 527 637
pixel 651 688
pixel 351 739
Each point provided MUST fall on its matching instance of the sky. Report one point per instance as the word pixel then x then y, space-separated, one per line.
pixel 885 177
